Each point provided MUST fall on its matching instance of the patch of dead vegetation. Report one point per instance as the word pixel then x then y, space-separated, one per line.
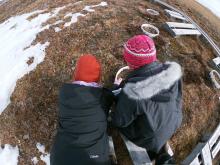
pixel 33 108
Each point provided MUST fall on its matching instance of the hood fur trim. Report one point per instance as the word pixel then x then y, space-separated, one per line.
pixel 151 86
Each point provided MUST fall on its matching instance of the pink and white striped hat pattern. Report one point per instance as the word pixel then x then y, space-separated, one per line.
pixel 139 50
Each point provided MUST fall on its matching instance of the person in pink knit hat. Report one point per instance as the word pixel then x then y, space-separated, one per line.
pixel 149 106
pixel 139 51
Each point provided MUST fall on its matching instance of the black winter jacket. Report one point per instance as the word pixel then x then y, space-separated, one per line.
pixel 149 108
pixel 81 138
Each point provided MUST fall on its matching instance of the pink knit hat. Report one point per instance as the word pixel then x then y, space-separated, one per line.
pixel 139 50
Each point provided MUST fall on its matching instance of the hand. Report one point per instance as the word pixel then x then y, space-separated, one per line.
pixel 118 81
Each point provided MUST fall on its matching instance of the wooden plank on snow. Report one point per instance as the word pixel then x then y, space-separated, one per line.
pixel 138 155
pixel 180 25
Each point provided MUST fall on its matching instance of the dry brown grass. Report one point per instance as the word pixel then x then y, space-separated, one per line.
pixel 33 109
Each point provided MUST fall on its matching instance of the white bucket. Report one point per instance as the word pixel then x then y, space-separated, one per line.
pixel 152 35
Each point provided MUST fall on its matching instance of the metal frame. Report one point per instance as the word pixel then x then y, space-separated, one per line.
pixel 205 152
pixel 204 34
pixel 178 29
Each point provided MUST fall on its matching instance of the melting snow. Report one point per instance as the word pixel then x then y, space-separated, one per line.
pixel 40 147
pixel 73 19
pixel 34 160
pixel 2 1
pixel 45 157
pixel 17 35
pixel 74 16
pixel 89 8
pixel 58 22
pixel 57 29
pixel 9 155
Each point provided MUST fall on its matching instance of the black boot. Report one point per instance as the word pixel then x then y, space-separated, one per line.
pixel 165 159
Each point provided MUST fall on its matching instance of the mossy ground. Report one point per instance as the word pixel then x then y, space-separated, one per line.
pixel 33 108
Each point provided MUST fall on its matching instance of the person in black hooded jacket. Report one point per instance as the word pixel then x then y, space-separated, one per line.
pixel 83 105
pixel 149 106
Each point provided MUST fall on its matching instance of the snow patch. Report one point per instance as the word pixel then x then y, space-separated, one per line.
pixel 17 35
pixel 58 22
pixel 9 155
pixel 57 10
pixel 2 1
pixel 45 157
pixel 57 29
pixel 74 18
pixel 40 147
pixel 89 8
pixel 213 5
pixel 76 3
pixel 34 160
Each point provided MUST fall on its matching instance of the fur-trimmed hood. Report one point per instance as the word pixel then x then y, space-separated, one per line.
pixel 151 86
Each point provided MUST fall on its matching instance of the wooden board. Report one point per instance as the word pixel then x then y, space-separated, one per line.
pixel 200 155
pixel 216 60
pixel 180 29
pixel 194 162
pixel 181 32
pixel 172 12
pixel 112 150
pixel 175 15
pixel 216 149
pixel 216 64
pixel 178 17
pixel 215 136
pixel 206 155
pixel 205 151
pixel 138 155
pixel 180 25
pixel 193 159
pixel 214 142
